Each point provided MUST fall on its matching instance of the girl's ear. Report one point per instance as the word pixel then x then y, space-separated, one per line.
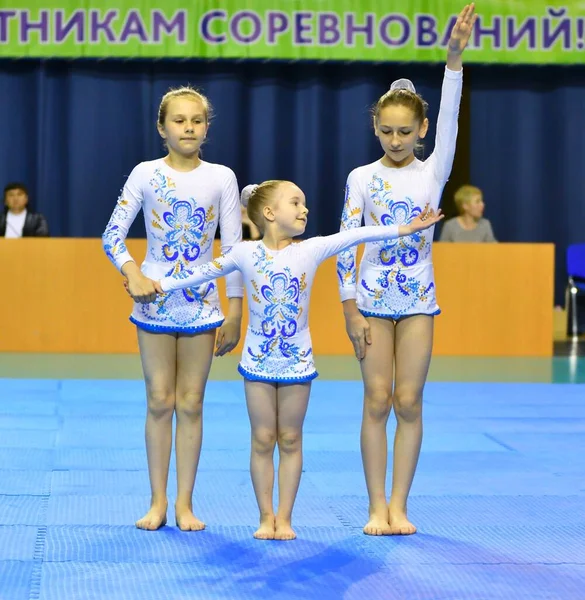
pixel 423 129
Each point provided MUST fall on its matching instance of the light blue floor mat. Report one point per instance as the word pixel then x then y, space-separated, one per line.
pixel 99 459
pixel 31 420
pixel 17 542
pixel 499 500
pixel 27 438
pixel 23 510
pixel 26 483
pixel 16 579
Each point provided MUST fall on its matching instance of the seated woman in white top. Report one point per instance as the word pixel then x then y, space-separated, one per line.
pixel 469 226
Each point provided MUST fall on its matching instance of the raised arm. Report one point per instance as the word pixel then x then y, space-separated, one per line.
pixel 447 126
pixel 219 267
pixel 351 218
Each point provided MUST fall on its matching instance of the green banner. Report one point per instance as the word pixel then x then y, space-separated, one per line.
pixel 507 31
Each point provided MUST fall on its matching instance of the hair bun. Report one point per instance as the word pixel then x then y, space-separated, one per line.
pixel 403 84
pixel 247 192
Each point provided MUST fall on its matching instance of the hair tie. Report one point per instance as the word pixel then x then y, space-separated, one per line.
pixel 247 193
pixel 403 84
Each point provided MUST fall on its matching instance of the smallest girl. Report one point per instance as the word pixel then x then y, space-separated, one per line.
pixel 277 361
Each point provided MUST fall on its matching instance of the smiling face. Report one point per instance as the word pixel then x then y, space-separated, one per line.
pixel 288 210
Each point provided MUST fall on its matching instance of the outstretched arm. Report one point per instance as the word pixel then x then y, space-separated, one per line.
pixel 219 267
pixel 324 247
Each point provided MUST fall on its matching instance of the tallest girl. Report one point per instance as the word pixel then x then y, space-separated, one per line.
pixel 390 307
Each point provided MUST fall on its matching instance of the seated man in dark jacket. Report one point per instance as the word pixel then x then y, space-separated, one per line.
pixel 16 221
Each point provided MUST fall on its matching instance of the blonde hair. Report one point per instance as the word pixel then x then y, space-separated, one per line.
pixel 256 197
pixel 185 91
pixel 464 194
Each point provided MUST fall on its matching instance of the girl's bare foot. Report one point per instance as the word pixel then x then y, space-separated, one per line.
pixel 399 523
pixel 266 529
pixel 186 520
pixel 378 523
pixel 283 530
pixel 155 518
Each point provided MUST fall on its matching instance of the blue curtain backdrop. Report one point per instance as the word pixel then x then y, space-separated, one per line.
pixel 528 155
pixel 73 131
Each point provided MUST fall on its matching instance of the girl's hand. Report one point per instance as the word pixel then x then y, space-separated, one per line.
pixel 462 29
pixel 228 336
pixel 126 286
pixel 426 219
pixel 357 327
pixel 141 289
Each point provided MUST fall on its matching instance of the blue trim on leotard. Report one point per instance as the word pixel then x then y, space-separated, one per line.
pixel 164 329
pixel 253 377
pixel 367 313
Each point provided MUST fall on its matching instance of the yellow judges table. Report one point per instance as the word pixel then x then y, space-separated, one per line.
pixel 63 295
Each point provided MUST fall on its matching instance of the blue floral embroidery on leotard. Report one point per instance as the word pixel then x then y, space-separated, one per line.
pixel 350 218
pixel 114 244
pixel 411 292
pixel 184 230
pixel 187 226
pixel 406 250
pixel 279 324
pixel 396 290
pixel 283 308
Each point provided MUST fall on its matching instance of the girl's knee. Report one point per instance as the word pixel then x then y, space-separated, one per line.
pixel 263 440
pixel 189 405
pixel 407 405
pixel 377 403
pixel 290 440
pixel 161 403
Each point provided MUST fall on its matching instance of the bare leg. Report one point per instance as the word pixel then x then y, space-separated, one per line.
pixel 292 402
pixel 158 355
pixel 261 403
pixel 194 356
pixel 413 348
pixel 377 371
